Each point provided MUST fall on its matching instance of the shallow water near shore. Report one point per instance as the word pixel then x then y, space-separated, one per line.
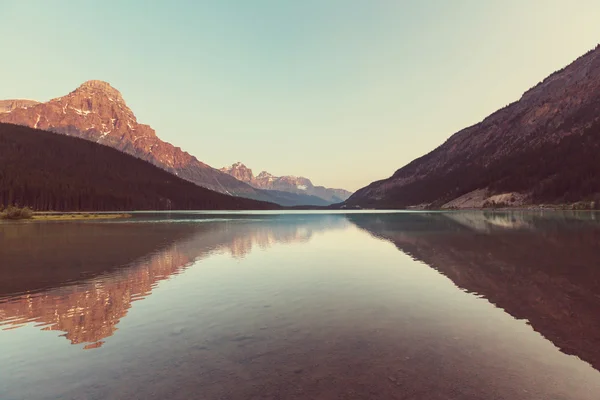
pixel 302 305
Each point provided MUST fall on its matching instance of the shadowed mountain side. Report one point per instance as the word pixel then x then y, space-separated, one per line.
pixel 547 273
pixel 539 149
pixel 287 199
pixel 97 112
pixel 91 294
pixel 47 171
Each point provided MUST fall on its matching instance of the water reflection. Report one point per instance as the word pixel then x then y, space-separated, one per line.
pixel 302 306
pixel 82 278
pixel 543 268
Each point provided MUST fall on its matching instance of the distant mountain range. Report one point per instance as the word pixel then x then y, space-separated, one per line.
pixel 54 172
pixel 97 112
pixel 540 149
pixel 290 184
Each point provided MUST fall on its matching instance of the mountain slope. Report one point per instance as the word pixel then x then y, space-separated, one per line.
pixel 290 184
pixel 56 172
pixel 96 111
pixel 538 149
pixel 10 105
pixel 288 199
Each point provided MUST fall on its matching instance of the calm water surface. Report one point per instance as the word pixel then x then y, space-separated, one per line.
pixel 302 306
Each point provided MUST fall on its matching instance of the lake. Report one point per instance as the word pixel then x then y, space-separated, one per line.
pixel 302 305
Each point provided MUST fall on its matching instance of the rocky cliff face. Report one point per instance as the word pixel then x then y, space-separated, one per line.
pixel 495 156
pixel 290 184
pixel 9 105
pixel 97 112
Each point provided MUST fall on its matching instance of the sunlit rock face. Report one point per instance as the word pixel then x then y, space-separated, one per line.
pixel 7 106
pixel 97 112
pixel 290 184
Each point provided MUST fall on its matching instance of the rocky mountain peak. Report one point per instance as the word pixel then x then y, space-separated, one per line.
pixel 239 166
pixel 239 171
pixel 289 184
pixel 96 111
pixel 100 87
pixel 100 98
pixel 264 174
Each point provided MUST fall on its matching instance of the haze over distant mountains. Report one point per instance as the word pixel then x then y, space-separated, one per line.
pixel 97 112
pixel 542 148
pixel 291 184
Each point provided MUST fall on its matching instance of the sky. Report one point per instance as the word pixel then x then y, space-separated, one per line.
pixel 343 92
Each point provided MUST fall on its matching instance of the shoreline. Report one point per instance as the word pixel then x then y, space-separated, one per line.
pixel 76 216
pixel 107 215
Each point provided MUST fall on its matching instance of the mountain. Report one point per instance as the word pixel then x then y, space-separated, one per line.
pixel 539 149
pixel 7 106
pixel 288 199
pixel 56 172
pixel 290 184
pixel 96 111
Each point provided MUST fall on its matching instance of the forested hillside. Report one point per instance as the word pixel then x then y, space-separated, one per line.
pixel 542 148
pixel 49 171
pixel 566 171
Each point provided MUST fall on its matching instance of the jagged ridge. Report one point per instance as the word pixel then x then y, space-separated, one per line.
pixel 290 184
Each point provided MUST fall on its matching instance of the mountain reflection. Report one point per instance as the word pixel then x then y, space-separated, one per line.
pixel 82 278
pixel 541 268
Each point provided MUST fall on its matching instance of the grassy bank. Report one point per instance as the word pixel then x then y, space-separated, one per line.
pixel 15 213
pixel 76 216
pixel 25 213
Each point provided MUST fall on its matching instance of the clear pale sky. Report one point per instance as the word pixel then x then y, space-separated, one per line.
pixel 341 91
